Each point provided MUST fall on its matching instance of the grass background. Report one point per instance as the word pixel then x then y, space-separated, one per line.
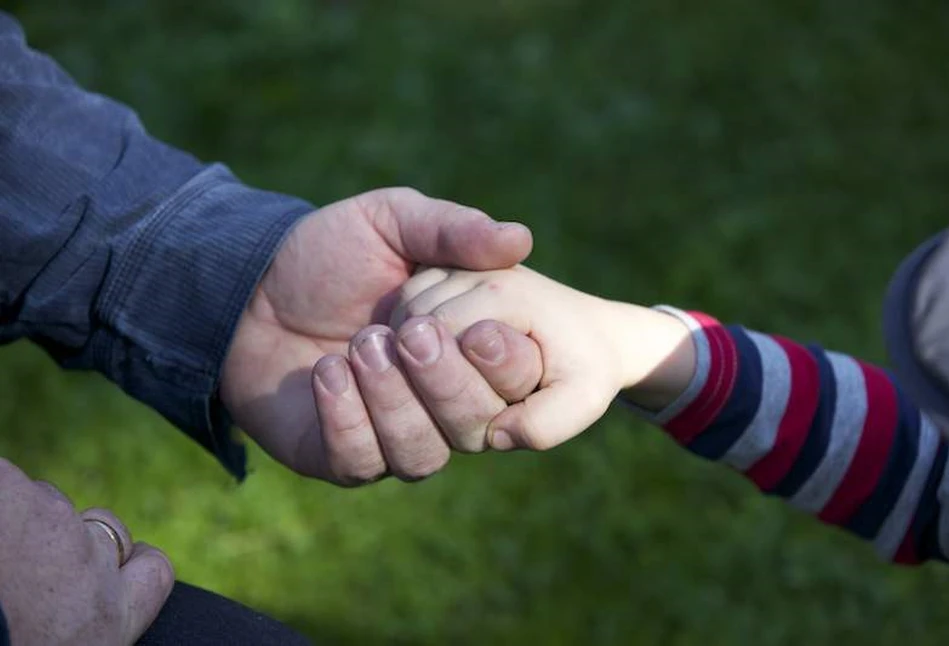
pixel 767 162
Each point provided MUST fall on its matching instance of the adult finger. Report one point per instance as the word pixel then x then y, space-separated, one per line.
pixel 509 361
pixel 148 577
pixel 350 453
pixel 412 444
pixel 53 491
pixel 441 233
pixel 460 400
pixel 109 532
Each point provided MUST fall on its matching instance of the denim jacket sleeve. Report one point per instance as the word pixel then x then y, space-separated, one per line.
pixel 119 253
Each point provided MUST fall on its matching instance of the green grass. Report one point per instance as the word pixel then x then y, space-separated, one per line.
pixel 767 162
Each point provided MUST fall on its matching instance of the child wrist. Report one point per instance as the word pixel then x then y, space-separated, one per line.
pixel 657 355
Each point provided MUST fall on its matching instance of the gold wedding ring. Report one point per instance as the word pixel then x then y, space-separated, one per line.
pixel 113 536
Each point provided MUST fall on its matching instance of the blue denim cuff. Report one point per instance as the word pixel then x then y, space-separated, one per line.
pixel 175 292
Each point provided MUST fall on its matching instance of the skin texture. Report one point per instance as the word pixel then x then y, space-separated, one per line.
pixel 314 377
pixel 62 582
pixel 320 383
pixel 592 348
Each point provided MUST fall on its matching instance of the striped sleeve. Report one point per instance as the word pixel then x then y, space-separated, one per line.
pixel 832 435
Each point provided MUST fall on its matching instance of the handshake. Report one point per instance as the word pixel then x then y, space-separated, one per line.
pixel 589 349
pixel 390 329
pixel 492 356
pixel 357 354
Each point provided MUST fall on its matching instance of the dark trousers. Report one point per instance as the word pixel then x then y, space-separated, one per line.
pixel 197 617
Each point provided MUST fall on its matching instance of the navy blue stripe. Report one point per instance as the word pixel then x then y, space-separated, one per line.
pixel 741 406
pixel 818 435
pixel 925 528
pixel 868 519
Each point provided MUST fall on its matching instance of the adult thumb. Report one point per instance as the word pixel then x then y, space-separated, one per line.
pixel 547 418
pixel 149 578
pixel 440 233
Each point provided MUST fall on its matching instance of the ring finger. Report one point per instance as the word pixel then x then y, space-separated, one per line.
pixel 108 532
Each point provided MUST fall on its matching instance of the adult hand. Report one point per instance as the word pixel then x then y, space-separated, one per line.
pixel 61 580
pixel 332 284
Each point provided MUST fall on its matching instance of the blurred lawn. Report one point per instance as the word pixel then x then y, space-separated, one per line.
pixel 767 162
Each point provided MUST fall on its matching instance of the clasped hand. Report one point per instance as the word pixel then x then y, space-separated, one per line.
pixel 316 377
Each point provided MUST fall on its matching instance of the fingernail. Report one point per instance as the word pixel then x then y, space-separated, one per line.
pixel 501 441
pixel 489 347
pixel 376 351
pixel 332 374
pixel 422 343
pixel 504 226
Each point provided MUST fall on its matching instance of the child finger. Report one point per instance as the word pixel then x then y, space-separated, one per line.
pixel 547 418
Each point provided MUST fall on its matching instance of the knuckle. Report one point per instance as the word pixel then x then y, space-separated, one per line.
pixel 425 466
pixel 108 516
pixel 353 481
pixel 447 391
pixel 407 289
pixel 11 471
pixel 61 509
pixel 414 308
pixel 393 403
pixel 409 436
pixel 470 211
pixel 355 470
pixel 348 426
pixel 164 570
pixel 471 442
pixel 405 192
pixel 447 317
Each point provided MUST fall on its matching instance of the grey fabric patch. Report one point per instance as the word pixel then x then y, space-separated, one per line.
pixel 916 327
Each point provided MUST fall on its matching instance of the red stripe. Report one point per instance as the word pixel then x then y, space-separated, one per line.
pixel 795 425
pixel 729 376
pixel 723 370
pixel 906 555
pixel 684 424
pixel 870 458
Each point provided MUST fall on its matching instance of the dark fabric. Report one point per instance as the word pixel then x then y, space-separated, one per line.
pixel 4 633
pixel 196 617
pixel 916 327
pixel 119 253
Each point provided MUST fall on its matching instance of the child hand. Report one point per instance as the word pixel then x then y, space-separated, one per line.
pixel 591 347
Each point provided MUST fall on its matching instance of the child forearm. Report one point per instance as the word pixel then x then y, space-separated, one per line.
pixel 832 435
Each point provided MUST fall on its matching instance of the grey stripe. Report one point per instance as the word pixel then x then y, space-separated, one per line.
pixel 894 528
pixel 850 414
pixel 758 439
pixel 702 367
